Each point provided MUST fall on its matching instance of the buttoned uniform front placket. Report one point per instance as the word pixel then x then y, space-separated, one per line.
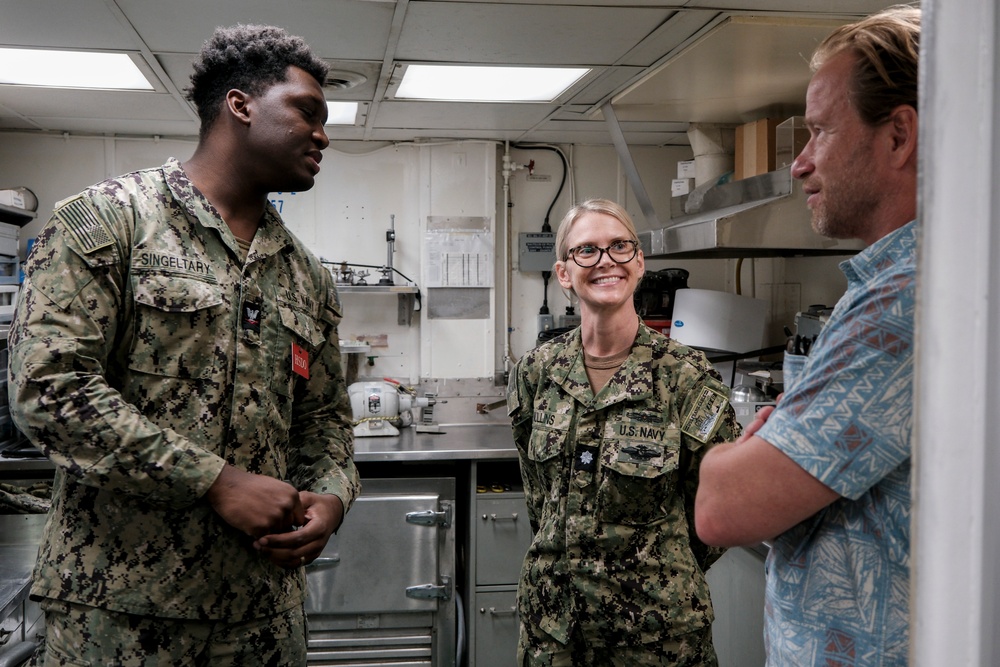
pixel 261 343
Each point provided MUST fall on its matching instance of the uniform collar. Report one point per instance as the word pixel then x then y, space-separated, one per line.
pixel 635 372
pixel 271 238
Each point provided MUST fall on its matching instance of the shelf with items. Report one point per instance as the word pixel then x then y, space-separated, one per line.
pixel 15 216
pixel 350 279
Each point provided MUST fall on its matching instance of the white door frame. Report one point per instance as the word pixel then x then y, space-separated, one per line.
pixel 956 525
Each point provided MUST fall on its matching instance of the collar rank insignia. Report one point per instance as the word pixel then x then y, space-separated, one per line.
pixel 585 458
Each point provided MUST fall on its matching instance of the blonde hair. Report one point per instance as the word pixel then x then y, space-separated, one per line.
pixel 605 206
pixel 886 47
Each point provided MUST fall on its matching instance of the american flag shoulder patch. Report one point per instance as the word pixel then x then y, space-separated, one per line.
pixel 84 225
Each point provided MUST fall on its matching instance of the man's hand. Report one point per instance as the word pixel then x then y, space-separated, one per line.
pixel 759 419
pixel 257 505
pixel 323 515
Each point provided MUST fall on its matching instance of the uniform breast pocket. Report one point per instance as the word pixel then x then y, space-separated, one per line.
pixel 305 331
pixel 177 320
pixel 638 481
pixel 549 436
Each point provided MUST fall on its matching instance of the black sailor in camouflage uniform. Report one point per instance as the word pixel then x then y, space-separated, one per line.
pixel 174 352
pixel 611 421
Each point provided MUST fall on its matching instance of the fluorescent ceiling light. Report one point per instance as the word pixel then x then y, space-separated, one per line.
pixel 70 69
pixel 341 113
pixel 466 83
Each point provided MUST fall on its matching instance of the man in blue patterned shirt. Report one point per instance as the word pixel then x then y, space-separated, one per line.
pixel 826 476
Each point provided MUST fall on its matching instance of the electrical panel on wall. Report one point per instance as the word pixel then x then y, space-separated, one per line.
pixel 536 251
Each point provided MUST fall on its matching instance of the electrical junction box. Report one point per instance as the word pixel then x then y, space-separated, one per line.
pixel 536 251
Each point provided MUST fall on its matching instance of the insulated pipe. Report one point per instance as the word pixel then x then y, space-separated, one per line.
pixel 713 147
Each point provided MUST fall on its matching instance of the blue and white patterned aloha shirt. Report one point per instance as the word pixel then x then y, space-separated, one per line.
pixel 838 583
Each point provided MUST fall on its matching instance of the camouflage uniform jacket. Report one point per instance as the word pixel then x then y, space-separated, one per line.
pixel 610 482
pixel 145 354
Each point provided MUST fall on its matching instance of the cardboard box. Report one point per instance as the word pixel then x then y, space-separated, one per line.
pixel 755 148
pixel 681 186
pixel 685 169
pixel 12 198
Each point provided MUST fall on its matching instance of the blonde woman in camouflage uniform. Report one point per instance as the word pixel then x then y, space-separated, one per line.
pixel 175 354
pixel 611 421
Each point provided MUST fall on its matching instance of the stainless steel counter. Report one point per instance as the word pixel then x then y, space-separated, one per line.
pixel 452 443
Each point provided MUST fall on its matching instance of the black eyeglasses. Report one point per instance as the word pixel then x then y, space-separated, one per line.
pixel 620 252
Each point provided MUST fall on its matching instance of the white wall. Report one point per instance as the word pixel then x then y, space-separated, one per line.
pixel 345 218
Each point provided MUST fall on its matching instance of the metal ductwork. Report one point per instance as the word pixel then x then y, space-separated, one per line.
pixel 760 216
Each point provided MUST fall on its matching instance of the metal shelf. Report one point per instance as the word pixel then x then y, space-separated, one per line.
pixel 376 289
pixel 15 216
pixel 407 295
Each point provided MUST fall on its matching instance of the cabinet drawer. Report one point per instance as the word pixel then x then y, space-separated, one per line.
pixel 496 629
pixel 503 534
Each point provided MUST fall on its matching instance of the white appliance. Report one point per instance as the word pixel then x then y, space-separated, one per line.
pixel 713 320
pixel 381 407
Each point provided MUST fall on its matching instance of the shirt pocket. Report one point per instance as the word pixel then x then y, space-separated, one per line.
pixel 302 329
pixel 177 320
pixel 639 478
pixel 549 436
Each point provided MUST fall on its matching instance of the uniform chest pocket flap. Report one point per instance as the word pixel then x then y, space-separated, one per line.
pixel 301 323
pixel 177 319
pixel 549 435
pixel 639 474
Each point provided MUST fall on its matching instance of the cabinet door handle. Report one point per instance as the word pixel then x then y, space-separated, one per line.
pixel 494 517
pixel 493 611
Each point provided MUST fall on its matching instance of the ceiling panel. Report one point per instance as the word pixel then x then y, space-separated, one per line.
pixel 523 34
pixel 80 24
pixel 464 115
pixel 669 36
pixel 91 103
pixel 834 8
pixel 742 66
pixel 351 29
pixel 115 126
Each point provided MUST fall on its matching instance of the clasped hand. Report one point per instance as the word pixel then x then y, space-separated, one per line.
pixel 289 527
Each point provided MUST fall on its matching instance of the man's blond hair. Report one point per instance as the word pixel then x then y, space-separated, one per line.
pixel 886 47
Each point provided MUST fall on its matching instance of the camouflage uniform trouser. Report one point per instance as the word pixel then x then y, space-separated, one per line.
pixel 81 636
pixel 694 649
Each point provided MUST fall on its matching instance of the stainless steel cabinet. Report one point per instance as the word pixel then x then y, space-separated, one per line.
pixel 499 536
pixel 383 590
pixel 495 628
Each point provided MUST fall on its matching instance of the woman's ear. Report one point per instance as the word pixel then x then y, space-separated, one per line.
pixel 562 275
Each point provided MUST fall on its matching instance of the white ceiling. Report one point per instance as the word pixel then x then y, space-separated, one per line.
pixel 662 65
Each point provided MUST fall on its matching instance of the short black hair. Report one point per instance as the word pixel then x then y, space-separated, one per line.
pixel 250 58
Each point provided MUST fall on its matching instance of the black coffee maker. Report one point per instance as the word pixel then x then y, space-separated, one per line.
pixel 654 298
